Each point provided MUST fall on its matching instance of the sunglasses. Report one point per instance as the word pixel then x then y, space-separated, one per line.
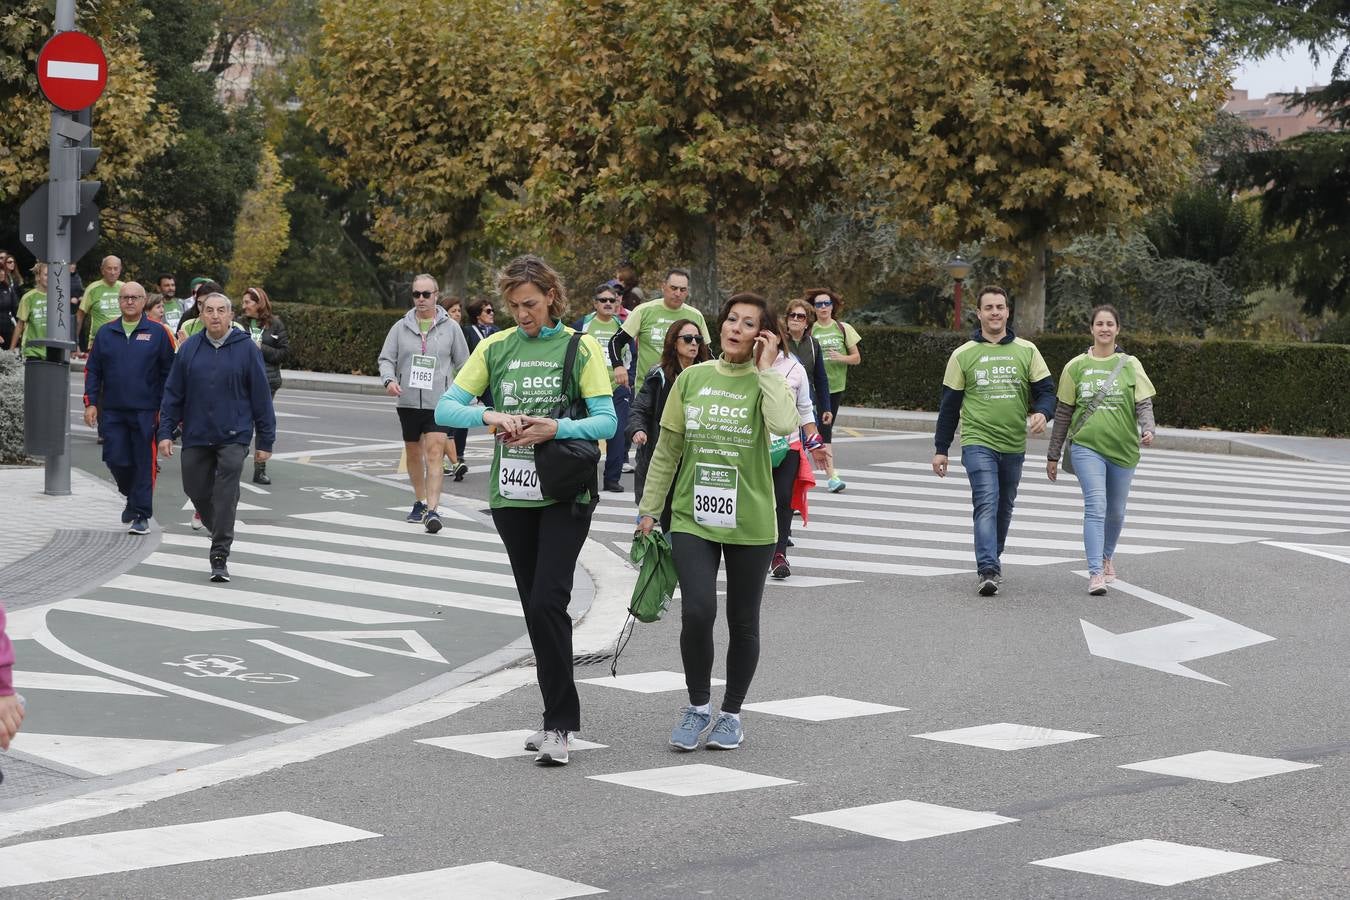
pixel 825 304
pixel 426 294
pixel 606 300
pixel 797 315
pixel 692 338
pixel 488 312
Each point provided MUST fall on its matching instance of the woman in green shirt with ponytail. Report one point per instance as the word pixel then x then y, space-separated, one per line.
pixel 714 447
pixel 1105 411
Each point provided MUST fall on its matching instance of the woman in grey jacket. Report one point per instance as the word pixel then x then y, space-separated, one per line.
pixel 421 355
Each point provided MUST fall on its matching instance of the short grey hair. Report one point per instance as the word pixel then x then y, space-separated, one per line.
pixel 431 278
pixel 229 304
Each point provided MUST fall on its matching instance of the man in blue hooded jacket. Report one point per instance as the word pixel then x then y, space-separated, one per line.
pixel 218 390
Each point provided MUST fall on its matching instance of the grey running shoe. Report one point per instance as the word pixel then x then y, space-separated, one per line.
pixel 533 742
pixel 988 585
pixel 726 734
pixel 692 725
pixel 553 749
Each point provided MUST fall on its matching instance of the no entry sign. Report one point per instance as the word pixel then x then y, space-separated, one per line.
pixel 72 70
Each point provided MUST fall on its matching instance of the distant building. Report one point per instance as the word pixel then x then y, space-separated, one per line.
pixel 251 59
pixel 1277 115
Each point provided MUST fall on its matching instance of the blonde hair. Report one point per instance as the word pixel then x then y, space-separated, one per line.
pixel 531 269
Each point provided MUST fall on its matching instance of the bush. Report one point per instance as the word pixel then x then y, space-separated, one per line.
pixel 1231 385
pixel 11 409
pixel 326 339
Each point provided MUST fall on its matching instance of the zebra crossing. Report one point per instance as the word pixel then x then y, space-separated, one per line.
pixel 329 609
pixel 898 519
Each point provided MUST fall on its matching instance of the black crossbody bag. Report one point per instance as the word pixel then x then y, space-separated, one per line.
pixel 567 467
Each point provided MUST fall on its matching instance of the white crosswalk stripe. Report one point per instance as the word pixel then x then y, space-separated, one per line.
pixel 897 518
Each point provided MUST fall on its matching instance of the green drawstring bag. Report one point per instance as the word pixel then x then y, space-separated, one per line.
pixel 656 576
pixel 655 586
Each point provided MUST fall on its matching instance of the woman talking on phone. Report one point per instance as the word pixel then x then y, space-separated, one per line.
pixel 714 447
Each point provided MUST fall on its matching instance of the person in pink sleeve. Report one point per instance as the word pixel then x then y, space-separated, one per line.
pixel 11 710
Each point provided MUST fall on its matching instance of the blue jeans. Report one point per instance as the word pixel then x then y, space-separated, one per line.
pixel 616 448
pixel 1106 487
pixel 994 477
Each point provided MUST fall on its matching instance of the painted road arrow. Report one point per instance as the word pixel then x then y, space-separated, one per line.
pixel 1337 552
pixel 1165 647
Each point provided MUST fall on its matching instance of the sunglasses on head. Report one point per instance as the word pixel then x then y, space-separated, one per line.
pixel 692 338
pixel 426 294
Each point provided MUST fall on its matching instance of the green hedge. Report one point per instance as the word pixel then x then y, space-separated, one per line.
pixel 334 339
pixel 11 409
pixel 1231 385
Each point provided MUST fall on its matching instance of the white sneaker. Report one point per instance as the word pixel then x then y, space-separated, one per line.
pixel 196 521
pixel 553 749
pixel 628 469
pixel 535 741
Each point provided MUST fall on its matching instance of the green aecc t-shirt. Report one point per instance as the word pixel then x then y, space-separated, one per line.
pixel 996 379
pixel 1111 430
pixel 648 324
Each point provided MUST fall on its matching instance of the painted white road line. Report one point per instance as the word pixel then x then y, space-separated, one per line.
pixel 796 581
pixel 450 534
pixel 822 708
pixel 316 609
pixel 852 547
pixel 476 881
pixel 48 640
pixel 331 443
pixel 358 586
pixel 418 646
pixel 350 561
pixel 905 820
pixel 338 451
pixel 964 539
pixel 286 415
pixel 657 682
pixel 1028 499
pixel 1162 863
pixel 500 744
pixel 1165 647
pixel 243 507
pixel 301 656
pixel 252 487
pixel 149 615
pixel 1218 766
pixel 692 780
pixel 830 564
pixel 880 480
pixel 39 862
pixel 75 684
pixel 103 755
pixel 422 548
pixel 448 512
pixel 1337 552
pixel 1006 736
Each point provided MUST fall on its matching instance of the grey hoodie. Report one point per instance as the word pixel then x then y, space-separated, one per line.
pixel 445 341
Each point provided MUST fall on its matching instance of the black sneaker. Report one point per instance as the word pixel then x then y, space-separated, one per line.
pixel 988 584
pixel 461 470
pixel 780 568
pixel 614 487
pixel 432 521
pixel 218 571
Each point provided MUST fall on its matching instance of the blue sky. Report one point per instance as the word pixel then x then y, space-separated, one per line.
pixel 1281 73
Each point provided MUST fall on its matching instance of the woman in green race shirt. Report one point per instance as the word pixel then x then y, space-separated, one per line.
pixel 714 448
pixel 1103 442
pixel 840 342
pixel 543 535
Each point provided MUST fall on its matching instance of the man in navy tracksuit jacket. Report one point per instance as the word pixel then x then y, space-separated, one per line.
pixel 218 391
pixel 129 360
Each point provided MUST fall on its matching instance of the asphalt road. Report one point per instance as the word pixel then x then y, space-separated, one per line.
pixel 1230 604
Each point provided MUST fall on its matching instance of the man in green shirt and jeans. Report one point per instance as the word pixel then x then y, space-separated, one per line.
pixel 990 382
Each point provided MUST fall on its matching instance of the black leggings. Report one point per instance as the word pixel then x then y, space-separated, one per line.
pixel 696 563
pixel 542 544
pixel 461 437
pixel 827 431
pixel 784 478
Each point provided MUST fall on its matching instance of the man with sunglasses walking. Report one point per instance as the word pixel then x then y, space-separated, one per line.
pixel 647 325
pixel 603 324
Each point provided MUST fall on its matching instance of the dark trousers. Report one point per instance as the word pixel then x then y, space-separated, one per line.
pixel 616 448
pixel 211 481
pixel 461 437
pixel 129 453
pixel 696 563
pixel 543 544
pixel 784 478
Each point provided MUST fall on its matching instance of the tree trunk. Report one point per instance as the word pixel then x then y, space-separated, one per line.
pixel 456 275
pixel 1029 311
pixel 700 245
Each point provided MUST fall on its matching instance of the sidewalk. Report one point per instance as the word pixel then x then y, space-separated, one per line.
pixel 1335 451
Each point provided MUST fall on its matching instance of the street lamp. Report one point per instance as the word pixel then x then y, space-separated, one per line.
pixel 958 268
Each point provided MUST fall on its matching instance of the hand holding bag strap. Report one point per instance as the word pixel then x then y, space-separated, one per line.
pixel 1095 402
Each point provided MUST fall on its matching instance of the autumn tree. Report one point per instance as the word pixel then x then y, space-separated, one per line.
pixel 416 113
pixel 262 230
pixel 679 122
pixel 1021 124
pixel 131 123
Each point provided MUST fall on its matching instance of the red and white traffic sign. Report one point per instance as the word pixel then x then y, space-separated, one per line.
pixel 72 70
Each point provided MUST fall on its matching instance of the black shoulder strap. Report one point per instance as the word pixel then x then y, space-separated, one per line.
pixel 569 363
